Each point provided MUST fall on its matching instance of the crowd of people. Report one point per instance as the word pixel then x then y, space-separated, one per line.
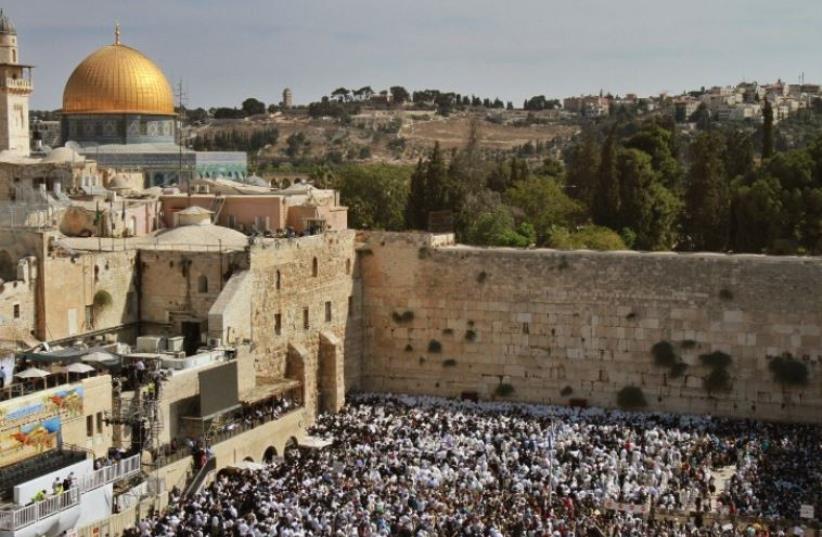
pixel 252 415
pixel 424 467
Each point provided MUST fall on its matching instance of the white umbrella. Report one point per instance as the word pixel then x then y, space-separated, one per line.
pixel 78 367
pixel 32 373
pixel 97 356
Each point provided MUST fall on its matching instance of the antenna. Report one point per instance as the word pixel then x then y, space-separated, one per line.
pixel 181 100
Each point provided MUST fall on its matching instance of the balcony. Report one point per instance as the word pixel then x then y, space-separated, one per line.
pixel 16 84
pixel 19 517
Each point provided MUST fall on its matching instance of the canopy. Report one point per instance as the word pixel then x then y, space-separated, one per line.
pixel 78 367
pixel 33 373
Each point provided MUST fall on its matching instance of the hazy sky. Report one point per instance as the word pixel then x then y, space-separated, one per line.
pixel 228 50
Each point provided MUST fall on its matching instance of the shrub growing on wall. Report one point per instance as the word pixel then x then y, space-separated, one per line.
pixel 449 363
pixel 718 380
pixel 405 317
pixel 566 391
pixel 788 370
pixel 716 359
pixel 631 397
pixel 434 346
pixel 470 335
pixel 678 369
pixel 504 390
pixel 102 299
pixel 664 354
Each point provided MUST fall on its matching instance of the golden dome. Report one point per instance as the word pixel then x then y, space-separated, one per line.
pixel 117 79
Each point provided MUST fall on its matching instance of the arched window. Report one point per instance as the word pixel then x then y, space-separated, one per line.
pixel 202 284
pixel 315 267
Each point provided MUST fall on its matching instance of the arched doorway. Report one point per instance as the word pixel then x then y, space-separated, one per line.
pixel 249 459
pixel 270 454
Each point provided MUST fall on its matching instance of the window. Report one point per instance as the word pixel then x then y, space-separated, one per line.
pixel 348 266
pixel 328 312
pixel 526 329
pixel 350 305
pixel 90 316
pixel 202 284
pixel 306 324
pixel 278 323
pixel 232 221
pixel 17 311
pixel 278 279
pixel 89 425
pixel 99 423
pixel 315 267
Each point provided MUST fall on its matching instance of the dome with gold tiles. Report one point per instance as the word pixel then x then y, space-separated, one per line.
pixel 116 79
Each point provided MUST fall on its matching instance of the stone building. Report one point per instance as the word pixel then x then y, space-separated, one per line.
pixel 15 90
pixel 118 108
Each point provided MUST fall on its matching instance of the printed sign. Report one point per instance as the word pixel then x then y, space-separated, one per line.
pixel 806 511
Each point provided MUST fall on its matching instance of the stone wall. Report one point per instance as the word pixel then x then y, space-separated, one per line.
pixel 88 292
pixel 452 319
pixel 291 304
pixel 179 286
pixel 18 303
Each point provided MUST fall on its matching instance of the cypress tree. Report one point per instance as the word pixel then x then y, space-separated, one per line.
pixel 767 130
pixel 606 198
pixel 415 210
pixel 707 198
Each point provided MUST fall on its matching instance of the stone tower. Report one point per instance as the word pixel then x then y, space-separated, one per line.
pixel 15 90
pixel 288 98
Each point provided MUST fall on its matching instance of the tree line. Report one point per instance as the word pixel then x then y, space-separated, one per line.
pixel 641 185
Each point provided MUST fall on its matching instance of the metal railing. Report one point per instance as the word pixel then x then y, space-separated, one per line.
pixel 14 519
pixel 24 516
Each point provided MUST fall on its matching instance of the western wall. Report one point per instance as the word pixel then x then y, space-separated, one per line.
pixel 554 326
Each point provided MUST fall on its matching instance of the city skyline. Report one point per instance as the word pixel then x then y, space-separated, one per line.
pixel 256 48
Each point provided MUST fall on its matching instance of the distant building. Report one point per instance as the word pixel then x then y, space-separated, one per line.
pixel 288 98
pixel 44 133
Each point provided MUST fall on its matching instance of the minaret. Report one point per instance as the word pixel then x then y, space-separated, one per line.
pixel 15 90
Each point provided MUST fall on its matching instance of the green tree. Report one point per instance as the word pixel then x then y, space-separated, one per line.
pixel 606 198
pixel 583 164
pixel 657 142
pixel 647 207
pixel 399 94
pixel 544 204
pixel 375 195
pixel 253 107
pixel 416 213
pixel 707 197
pixel 757 210
pixel 767 130
pixel 739 153
pixel 437 197
pixel 495 227
pixel 587 238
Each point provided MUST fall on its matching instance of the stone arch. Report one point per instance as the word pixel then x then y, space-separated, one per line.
pixel 8 268
pixel 269 454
